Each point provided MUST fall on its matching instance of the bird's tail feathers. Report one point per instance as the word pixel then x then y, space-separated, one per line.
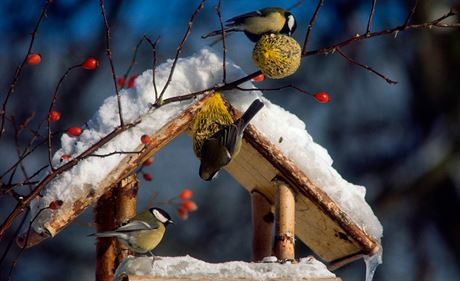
pixel 252 110
pixel 219 32
pixel 108 234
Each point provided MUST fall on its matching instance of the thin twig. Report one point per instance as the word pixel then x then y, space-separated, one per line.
pixel 15 261
pixel 108 52
pixel 115 153
pixel 224 46
pixel 133 60
pixel 13 238
pixel 371 16
pixel 53 102
pixel 296 5
pixel 411 13
pixel 179 51
pixel 18 72
pixel 359 37
pixel 154 63
pixel 310 25
pixel 352 61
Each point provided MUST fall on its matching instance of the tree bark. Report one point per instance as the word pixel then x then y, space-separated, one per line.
pixel 262 226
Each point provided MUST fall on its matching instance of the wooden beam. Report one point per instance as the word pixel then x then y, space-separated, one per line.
pixel 112 210
pixel 262 226
pixel 284 221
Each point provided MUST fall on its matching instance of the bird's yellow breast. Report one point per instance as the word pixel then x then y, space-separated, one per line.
pixel 147 240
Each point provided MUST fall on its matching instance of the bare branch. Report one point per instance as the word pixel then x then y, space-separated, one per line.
pixel 359 37
pixel 18 72
pixel 133 60
pixel 411 13
pixel 154 63
pixel 352 61
pixel 108 52
pixel 224 57
pixel 310 25
pixel 53 102
pixel 179 51
pixel 371 16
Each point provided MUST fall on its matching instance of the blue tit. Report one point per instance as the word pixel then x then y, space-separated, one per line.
pixel 142 233
pixel 260 22
pixel 219 149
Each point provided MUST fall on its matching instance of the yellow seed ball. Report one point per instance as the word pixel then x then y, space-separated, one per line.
pixel 277 55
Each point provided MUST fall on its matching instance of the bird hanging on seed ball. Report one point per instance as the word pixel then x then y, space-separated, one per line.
pixel 257 23
pixel 216 137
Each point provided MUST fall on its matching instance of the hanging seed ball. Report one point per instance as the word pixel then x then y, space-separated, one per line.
pixel 277 55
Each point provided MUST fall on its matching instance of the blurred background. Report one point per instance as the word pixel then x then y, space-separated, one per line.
pixel 400 141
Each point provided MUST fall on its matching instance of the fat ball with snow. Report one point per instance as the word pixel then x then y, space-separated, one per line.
pixel 219 142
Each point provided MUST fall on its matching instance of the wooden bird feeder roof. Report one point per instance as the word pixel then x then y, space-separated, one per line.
pixel 320 222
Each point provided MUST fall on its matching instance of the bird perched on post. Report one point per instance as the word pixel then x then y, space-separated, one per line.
pixel 142 233
pixel 222 145
pixel 260 22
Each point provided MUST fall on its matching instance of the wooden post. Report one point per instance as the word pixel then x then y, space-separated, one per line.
pixel 284 221
pixel 112 209
pixel 262 226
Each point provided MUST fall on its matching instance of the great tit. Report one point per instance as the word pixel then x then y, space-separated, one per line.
pixel 142 233
pixel 260 22
pixel 218 150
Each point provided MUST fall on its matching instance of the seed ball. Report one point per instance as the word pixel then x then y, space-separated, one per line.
pixel 277 55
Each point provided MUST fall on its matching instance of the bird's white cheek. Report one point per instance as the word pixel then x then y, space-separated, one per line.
pixel 291 22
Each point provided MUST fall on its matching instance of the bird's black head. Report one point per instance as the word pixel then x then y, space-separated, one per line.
pixel 290 25
pixel 161 215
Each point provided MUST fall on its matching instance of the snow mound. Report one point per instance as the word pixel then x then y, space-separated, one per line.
pixel 189 267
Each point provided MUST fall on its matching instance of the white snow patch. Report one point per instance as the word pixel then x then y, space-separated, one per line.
pixel 192 74
pixel 189 267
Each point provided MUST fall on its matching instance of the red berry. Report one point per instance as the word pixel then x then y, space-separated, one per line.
pixel 65 157
pixel 186 194
pixel 54 116
pixel 56 204
pixel 189 205
pixel 33 59
pixel 147 177
pixel 148 162
pixel 121 82
pixel 146 139
pixel 90 64
pixel 182 213
pixel 74 131
pixel 321 97
pixel 259 78
pixel 131 81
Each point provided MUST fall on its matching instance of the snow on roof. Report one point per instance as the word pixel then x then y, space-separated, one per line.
pixel 192 74
pixel 191 268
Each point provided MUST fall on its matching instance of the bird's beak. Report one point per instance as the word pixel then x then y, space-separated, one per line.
pixel 171 222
